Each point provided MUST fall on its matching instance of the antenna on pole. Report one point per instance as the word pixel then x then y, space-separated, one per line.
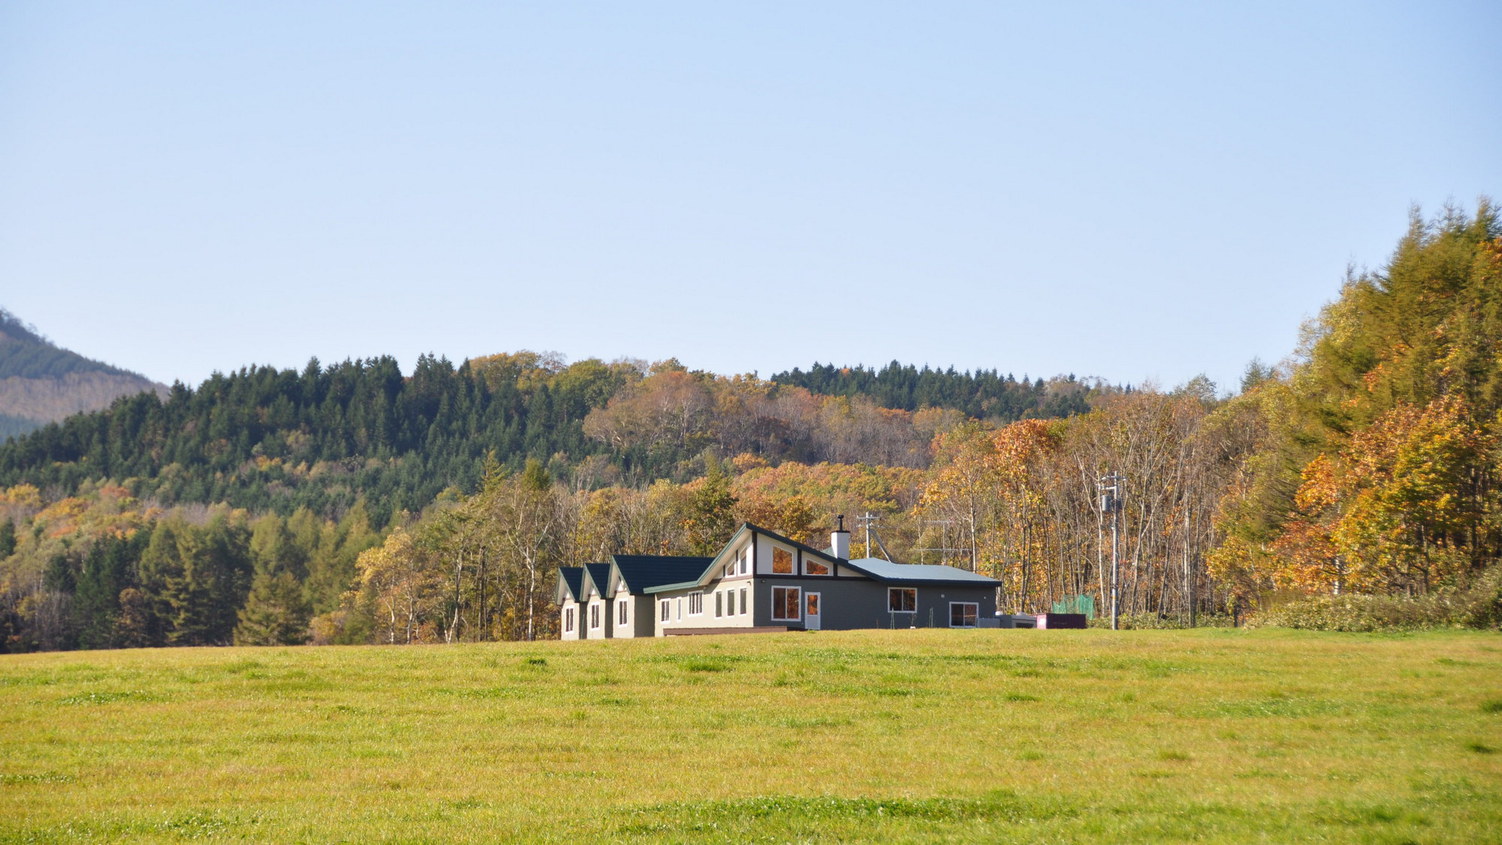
pixel 1110 488
pixel 944 549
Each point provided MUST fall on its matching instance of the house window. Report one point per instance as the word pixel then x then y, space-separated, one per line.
pixel 680 608
pixel 695 604
pixel 665 610
pixel 743 600
pixel 568 620
pixel 815 567
pixel 785 603
pixel 743 561
pixel 962 614
pixel 902 599
pixel 594 616
pixel 782 562
pixel 620 612
pixel 719 605
pixel 730 602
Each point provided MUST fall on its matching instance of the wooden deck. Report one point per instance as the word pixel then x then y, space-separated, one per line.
pixel 695 632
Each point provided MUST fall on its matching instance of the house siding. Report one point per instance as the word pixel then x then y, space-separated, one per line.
pixel 569 604
pixel 846 603
pixel 719 591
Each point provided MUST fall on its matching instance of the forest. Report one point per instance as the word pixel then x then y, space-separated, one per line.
pixel 354 503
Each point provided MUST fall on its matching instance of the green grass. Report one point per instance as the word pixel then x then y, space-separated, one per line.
pixel 1073 736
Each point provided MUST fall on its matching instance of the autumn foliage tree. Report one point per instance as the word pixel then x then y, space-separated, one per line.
pixel 1375 463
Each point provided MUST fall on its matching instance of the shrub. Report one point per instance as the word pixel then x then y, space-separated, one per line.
pixel 1479 605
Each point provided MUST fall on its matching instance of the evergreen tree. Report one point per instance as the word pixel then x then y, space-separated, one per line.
pixel 159 573
pixel 275 612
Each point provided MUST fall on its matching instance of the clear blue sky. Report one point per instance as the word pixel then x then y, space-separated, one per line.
pixel 1136 191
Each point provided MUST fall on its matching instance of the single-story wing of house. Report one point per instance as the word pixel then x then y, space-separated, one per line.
pixel 763 581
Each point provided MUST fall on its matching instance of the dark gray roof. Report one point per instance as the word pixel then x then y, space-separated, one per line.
pixel 600 574
pixel 919 573
pixel 642 572
pixel 572 578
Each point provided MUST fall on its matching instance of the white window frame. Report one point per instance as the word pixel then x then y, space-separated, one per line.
pixel 696 603
pixel 622 612
pixel 568 620
pixel 811 560
pixel 666 612
pixel 779 606
pixel 594 615
pixel 892 592
pixel 974 615
pixel 792 561
pixel 744 608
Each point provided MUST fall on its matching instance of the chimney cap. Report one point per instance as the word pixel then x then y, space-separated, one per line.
pixel 841 524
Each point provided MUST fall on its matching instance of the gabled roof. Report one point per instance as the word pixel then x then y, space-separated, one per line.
pixel 919 574
pixel 599 574
pixel 704 574
pixel 641 572
pixel 570 583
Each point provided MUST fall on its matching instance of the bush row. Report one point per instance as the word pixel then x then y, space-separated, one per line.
pixel 1477 606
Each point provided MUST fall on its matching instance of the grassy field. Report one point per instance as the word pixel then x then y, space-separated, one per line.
pixel 985 735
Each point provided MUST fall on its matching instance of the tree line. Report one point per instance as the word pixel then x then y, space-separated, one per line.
pixel 982 394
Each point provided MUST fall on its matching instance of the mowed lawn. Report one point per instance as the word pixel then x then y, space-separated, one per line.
pixel 980 735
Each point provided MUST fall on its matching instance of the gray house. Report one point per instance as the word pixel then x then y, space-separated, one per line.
pixel 762 581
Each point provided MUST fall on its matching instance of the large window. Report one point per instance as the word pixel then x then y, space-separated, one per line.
pixel 695 604
pixel 782 562
pixel 785 604
pixel 962 614
pixel 730 602
pixel 902 599
pixel 814 566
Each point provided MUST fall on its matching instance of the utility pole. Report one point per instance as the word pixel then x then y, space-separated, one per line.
pixel 1188 569
pixel 1109 487
pixel 866 519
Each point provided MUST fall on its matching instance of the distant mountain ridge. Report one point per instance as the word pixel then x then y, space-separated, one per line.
pixel 41 382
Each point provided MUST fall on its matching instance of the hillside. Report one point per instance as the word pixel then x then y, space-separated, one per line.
pixel 269 439
pixel 41 382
